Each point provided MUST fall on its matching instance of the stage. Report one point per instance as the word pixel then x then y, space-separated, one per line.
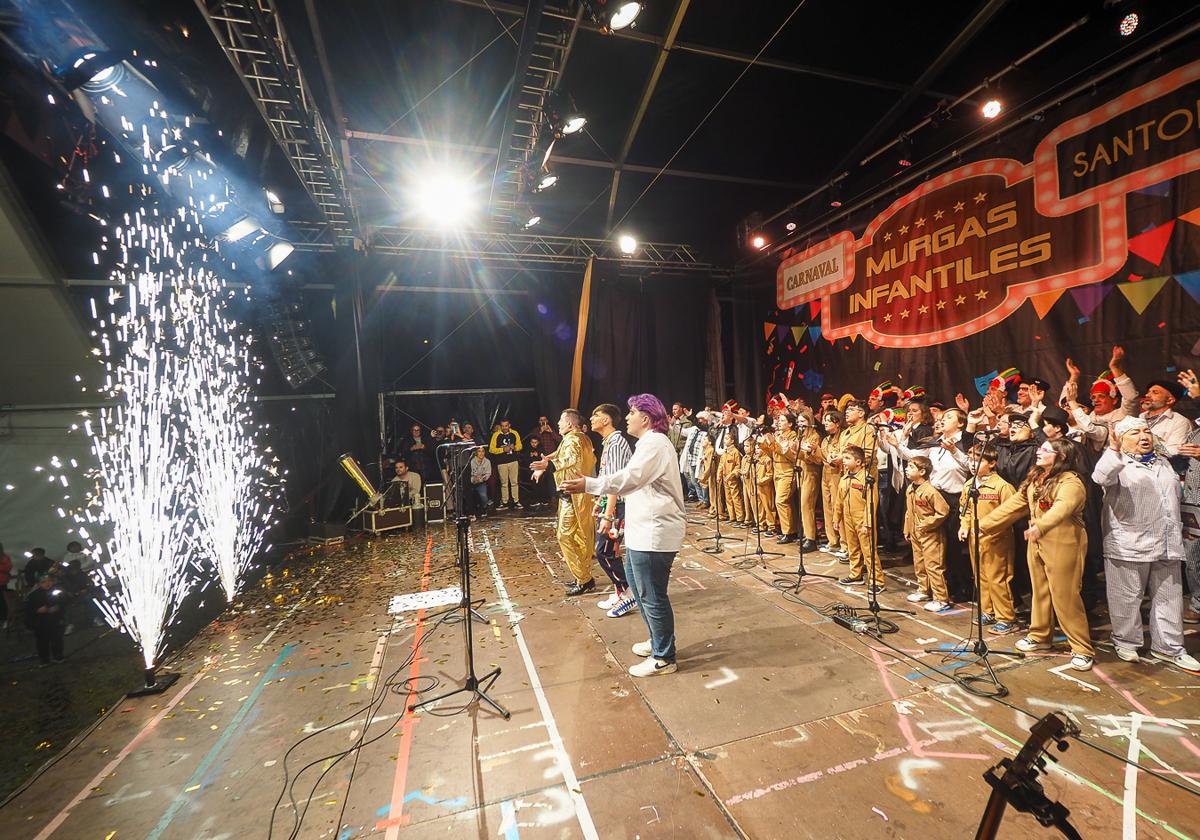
pixel 780 722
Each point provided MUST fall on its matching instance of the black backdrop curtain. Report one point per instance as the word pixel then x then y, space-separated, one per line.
pixel 645 334
pixel 552 314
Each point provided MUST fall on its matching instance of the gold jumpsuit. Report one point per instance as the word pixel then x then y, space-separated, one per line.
pixel 575 458
pixel 749 490
pixel 924 513
pixel 860 539
pixel 783 447
pixel 1055 559
pixel 995 549
pixel 764 482
pixel 731 482
pixel 810 482
pixel 831 474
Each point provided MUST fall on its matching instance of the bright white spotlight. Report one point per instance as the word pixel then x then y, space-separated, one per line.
pixel 279 252
pixel 625 14
pixel 574 123
pixel 445 200
pixel 627 244
pixel 240 229
pixel 759 241
pixel 991 109
pixel 1129 24
pixel 791 227
pixel 548 181
pixel 532 221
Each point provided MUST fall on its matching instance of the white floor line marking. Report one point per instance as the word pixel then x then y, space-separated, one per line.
pixel 1129 805
pixel 564 761
pixel 1059 671
pixel 377 658
pixel 514 751
pixel 727 676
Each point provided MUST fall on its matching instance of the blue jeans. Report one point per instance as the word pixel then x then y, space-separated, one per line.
pixel 481 497
pixel 648 573
pixel 694 488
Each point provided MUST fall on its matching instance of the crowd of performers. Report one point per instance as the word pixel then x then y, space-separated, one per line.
pixel 1090 485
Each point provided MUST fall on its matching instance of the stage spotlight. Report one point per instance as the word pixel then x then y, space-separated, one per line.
pixel 547 181
pixel 240 229
pixel 991 109
pixel 791 227
pixel 532 221
pixel 274 202
pixel 627 244
pixel 574 123
pixel 445 200
pixel 904 162
pixel 758 241
pixel 612 14
pixel 279 252
pixel 92 71
pixel 1129 24
pixel 624 15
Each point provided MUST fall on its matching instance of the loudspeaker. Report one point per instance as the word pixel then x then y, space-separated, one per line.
pixel 388 519
pixel 435 503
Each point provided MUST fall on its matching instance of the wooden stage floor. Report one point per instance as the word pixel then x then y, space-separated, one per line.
pixel 779 723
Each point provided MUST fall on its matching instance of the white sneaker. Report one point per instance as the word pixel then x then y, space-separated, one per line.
pixel 1184 660
pixel 1028 645
pixel 622 607
pixel 917 597
pixel 643 648
pixel 609 602
pixel 1127 654
pixel 937 606
pixel 1081 663
pixel 653 667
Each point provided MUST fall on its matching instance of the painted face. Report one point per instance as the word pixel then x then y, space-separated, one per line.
pixel 1046 455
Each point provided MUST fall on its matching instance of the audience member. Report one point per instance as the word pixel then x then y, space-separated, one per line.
pixel 505 448
pixel 480 472
pixel 37 565
pixel 44 613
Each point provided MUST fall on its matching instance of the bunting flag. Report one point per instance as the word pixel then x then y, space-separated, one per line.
pixel 853 337
pixel 1192 217
pixel 815 332
pixel 768 330
pixel 782 330
pixel 814 308
pixel 798 333
pixel 1140 294
pixel 1190 280
pixel 1152 244
pixel 1042 303
pixel 1088 298
pixel 1161 189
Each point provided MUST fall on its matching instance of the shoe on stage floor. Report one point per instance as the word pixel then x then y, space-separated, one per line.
pixel 623 607
pixel 1081 663
pixel 1127 654
pixel 938 606
pixel 1002 628
pixel 643 648
pixel 1028 645
pixel 917 597
pixel 1184 660
pixel 850 580
pixel 581 588
pixel 653 667
pixel 808 545
pixel 609 602
pixel 786 539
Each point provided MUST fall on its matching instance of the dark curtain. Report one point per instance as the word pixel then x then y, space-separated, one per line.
pixel 552 316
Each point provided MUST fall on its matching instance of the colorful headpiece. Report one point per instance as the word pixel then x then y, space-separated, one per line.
pixel 779 402
pixel 881 389
pixel 1104 384
pixel 731 405
pixel 1007 379
pixel 916 392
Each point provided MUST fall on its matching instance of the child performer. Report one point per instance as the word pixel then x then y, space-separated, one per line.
pixel 924 513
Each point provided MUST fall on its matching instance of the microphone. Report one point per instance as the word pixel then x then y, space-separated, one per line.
pixel 987 433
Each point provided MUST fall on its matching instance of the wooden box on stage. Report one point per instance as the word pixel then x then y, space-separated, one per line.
pixel 435 503
pixel 388 519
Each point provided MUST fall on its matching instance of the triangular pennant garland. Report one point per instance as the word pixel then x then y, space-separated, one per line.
pixel 1190 280
pixel 1140 294
pixel 814 308
pixel 853 337
pixel 1152 244
pixel 1043 302
pixel 782 331
pixel 1192 217
pixel 815 332
pixel 798 333
pixel 1161 189
pixel 768 330
pixel 1088 298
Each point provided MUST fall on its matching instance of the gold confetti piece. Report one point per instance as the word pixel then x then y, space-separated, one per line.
pixel 110 835
pixel 43 745
pixel 331 802
pixel 181 738
pixel 192 788
pixel 213 726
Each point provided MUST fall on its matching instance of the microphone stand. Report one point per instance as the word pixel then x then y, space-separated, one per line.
pixel 781 581
pixel 476 686
pixel 716 548
pixel 759 553
pixel 876 622
pixel 974 645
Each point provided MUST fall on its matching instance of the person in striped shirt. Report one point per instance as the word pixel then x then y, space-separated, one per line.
pixel 610 510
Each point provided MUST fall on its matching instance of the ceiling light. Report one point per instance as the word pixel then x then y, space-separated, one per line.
pixel 276 254
pixel 92 70
pixel 791 227
pixel 835 203
pixel 548 180
pixel 627 244
pixel 758 241
pixel 574 123
pixel 624 15
pixel 1129 24
pixel 991 109
pixel 240 229
pixel 532 221
pixel 274 202
pixel 445 199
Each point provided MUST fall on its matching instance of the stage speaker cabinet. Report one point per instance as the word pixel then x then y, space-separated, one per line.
pixel 388 519
pixel 435 503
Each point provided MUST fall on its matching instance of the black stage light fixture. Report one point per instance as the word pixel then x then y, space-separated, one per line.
pixel 562 116
pixel 92 70
pixel 613 15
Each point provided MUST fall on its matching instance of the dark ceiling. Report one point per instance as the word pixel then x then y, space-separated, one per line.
pixel 822 88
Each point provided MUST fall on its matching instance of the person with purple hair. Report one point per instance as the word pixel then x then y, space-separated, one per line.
pixel 654 526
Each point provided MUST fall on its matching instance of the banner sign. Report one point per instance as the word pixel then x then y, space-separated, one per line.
pixel 967 248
